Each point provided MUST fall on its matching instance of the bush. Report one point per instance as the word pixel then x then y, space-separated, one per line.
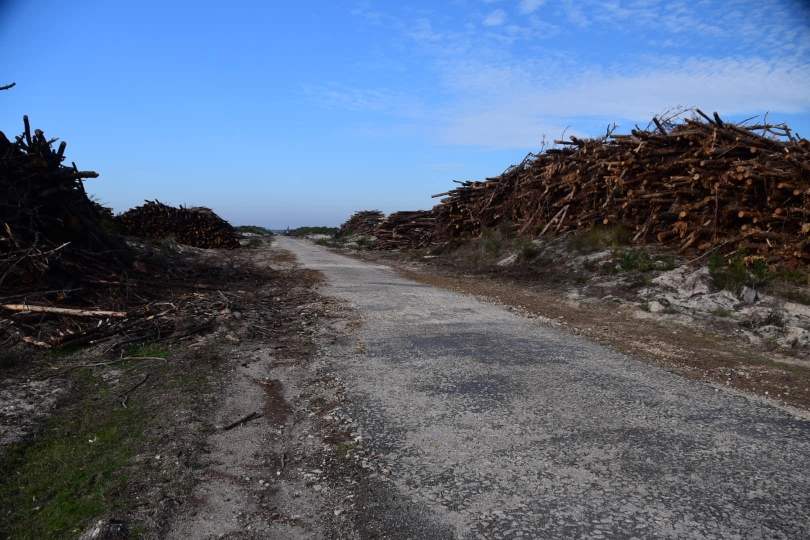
pixel 734 274
pixel 641 260
pixel 526 249
pixel 599 238
pixel 492 241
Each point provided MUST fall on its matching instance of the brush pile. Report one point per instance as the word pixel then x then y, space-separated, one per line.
pixel 49 227
pixel 407 230
pixel 198 227
pixel 698 185
pixel 363 222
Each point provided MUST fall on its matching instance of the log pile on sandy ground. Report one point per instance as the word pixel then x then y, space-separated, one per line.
pixel 407 230
pixel 363 222
pixel 198 227
pixel 697 185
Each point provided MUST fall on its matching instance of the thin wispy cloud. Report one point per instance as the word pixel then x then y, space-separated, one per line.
pixel 506 84
pixel 530 6
pixel 495 18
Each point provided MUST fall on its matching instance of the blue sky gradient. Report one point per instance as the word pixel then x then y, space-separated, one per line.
pixel 282 113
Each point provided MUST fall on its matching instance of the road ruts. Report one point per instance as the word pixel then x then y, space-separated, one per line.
pixel 495 426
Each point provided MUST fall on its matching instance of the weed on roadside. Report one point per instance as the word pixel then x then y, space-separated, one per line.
pixel 68 474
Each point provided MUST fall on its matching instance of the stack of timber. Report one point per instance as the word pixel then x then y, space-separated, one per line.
pixel 407 230
pixel 363 222
pixel 198 227
pixel 698 185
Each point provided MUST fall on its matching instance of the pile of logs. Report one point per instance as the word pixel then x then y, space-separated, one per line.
pixel 407 230
pixel 198 227
pixel 698 185
pixel 49 227
pixel 363 222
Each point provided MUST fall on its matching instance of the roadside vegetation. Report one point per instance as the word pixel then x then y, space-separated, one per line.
pixel 107 445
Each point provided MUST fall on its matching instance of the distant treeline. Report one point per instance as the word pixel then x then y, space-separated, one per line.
pixel 255 229
pixel 304 231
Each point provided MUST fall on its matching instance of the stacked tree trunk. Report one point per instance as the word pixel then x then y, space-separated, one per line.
pixel 363 222
pixel 407 230
pixel 198 227
pixel 698 185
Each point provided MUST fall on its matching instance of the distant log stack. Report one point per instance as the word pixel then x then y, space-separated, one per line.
pixel 691 187
pixel 363 222
pixel 407 230
pixel 198 227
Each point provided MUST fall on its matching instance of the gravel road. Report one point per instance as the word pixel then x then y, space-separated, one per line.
pixel 490 425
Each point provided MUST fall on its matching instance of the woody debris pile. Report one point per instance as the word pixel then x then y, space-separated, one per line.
pixel 698 185
pixel 198 227
pixel 363 222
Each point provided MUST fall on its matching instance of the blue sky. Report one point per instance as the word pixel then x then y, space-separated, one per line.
pixel 300 113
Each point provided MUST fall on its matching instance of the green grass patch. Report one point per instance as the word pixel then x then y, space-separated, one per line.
pixel 68 474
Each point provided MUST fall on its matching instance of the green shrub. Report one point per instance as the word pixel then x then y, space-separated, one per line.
pixel 526 249
pixel 599 238
pixel 492 242
pixel 641 260
pixel 733 274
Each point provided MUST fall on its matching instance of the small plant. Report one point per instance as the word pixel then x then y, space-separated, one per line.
pixel 665 262
pixel 254 242
pixel 454 243
pixel 343 449
pixel 526 249
pixel 722 312
pixel 635 259
pixel 599 238
pixel 491 241
pixel 734 274
pixel 671 310
pixel 317 401
pixel 581 280
pixel 716 261
pixel 776 316
pixel 364 241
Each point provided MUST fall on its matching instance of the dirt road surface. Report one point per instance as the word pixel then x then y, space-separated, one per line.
pixel 489 425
